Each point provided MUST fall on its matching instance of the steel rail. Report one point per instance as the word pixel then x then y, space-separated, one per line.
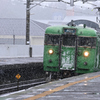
pixel 6 88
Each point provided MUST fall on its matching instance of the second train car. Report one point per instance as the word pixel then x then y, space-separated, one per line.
pixel 71 50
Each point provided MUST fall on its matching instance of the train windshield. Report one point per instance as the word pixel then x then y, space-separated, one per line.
pixel 52 39
pixel 87 41
pixel 69 40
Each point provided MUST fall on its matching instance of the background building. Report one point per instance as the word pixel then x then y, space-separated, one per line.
pixel 13 31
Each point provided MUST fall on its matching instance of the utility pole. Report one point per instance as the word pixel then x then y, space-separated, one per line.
pixel 28 26
pixel 28 22
pixel 71 2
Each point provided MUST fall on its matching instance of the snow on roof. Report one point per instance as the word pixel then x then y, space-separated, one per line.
pixel 18 27
pixel 69 18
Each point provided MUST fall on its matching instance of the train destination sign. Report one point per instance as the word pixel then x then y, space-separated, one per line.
pixel 69 31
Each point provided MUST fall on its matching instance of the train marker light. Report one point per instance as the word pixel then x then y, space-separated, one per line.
pixel 86 53
pixel 50 51
pixel 50 61
pixel 85 63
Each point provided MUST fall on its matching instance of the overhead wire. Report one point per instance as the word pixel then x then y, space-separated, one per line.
pixel 39 4
pixel 78 5
pixel 61 1
pixel 63 9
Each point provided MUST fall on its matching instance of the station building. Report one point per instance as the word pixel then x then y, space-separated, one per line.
pixel 13 31
pixel 13 38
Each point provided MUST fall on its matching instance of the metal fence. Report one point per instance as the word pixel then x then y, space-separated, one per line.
pixel 12 40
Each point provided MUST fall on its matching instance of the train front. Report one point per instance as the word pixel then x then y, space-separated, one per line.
pixel 70 50
pixel 79 50
pixel 87 51
pixel 59 50
pixel 51 49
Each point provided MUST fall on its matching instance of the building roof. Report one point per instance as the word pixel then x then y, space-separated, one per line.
pixel 69 18
pixel 18 27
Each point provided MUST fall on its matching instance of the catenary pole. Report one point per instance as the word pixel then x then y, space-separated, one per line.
pixel 28 22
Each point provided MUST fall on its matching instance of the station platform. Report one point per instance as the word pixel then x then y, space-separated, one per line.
pixel 82 87
pixel 28 68
pixel 22 60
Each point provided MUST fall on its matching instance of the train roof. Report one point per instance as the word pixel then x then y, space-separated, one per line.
pixel 80 31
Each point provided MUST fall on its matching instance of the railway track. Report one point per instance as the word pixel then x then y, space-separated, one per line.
pixel 6 88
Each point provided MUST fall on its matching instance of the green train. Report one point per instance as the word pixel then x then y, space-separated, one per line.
pixel 71 50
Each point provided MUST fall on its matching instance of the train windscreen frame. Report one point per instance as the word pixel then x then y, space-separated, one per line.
pixel 87 41
pixel 52 39
pixel 68 40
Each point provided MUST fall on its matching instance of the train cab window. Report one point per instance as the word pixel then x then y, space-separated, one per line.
pixel 68 40
pixel 51 39
pixel 87 41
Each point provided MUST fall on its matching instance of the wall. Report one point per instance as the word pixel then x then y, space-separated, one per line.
pixel 10 51
pixel 12 40
pixel 37 40
pixel 37 50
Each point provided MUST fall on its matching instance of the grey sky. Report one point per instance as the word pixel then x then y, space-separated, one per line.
pixel 46 11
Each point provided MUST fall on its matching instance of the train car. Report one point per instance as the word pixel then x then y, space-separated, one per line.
pixel 71 50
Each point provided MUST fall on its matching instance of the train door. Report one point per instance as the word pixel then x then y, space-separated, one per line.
pixel 68 50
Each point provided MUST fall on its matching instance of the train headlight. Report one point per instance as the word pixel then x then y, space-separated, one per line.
pixel 50 51
pixel 86 53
